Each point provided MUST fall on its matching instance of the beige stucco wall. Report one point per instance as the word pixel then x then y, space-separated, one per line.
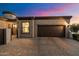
pixel 4 23
pixel 58 21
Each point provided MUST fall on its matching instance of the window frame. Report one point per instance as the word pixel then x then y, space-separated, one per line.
pixel 25 27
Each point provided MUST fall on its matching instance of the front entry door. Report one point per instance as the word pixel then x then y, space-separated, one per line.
pixel 14 29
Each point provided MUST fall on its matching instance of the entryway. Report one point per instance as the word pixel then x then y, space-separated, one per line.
pixel 13 27
pixel 14 30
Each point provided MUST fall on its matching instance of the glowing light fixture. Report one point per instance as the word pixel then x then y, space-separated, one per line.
pixel 14 25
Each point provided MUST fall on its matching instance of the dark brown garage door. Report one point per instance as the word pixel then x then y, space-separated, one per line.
pixel 51 31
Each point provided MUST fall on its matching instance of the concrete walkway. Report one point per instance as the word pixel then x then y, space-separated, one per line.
pixel 43 46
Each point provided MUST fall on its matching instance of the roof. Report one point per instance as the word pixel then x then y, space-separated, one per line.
pixel 8 12
pixel 67 18
pixel 43 17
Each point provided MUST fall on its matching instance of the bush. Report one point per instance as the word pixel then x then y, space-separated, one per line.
pixel 74 28
pixel 75 36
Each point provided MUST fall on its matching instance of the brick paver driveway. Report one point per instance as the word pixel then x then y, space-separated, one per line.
pixel 43 46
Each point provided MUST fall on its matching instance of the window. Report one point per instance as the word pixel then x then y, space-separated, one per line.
pixel 25 27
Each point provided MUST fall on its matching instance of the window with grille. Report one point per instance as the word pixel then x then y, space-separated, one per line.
pixel 25 27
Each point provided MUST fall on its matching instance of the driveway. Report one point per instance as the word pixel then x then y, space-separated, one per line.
pixel 42 46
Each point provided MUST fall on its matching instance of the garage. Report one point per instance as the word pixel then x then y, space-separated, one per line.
pixel 51 31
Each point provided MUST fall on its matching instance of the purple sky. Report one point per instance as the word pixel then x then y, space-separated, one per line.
pixel 41 9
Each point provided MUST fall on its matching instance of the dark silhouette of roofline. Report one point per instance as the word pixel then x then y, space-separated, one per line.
pixel 43 17
pixel 67 18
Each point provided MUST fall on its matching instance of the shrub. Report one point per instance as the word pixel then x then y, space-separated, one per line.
pixel 74 27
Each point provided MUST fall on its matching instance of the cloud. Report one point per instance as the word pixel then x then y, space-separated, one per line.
pixel 55 11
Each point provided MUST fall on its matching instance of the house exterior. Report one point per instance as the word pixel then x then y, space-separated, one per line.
pixel 32 27
pixel 51 26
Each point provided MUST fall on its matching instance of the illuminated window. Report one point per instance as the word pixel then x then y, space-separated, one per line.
pixel 25 27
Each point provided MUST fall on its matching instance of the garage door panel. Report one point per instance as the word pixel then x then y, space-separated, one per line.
pixel 51 31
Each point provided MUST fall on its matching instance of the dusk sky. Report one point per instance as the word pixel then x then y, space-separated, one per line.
pixel 41 9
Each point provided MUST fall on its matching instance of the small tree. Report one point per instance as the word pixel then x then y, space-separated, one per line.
pixel 74 27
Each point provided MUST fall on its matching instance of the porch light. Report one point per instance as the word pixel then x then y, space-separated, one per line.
pixel 14 25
